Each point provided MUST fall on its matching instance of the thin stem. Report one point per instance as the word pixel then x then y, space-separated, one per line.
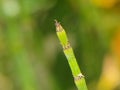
pixel 67 49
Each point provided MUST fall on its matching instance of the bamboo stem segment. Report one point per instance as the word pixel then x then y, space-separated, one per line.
pixel 68 51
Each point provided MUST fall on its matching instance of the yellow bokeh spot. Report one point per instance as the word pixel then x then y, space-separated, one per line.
pixel 115 45
pixel 104 3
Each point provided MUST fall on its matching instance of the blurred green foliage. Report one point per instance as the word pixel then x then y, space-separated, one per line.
pixel 30 55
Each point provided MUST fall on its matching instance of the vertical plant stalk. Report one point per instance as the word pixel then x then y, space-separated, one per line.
pixel 68 51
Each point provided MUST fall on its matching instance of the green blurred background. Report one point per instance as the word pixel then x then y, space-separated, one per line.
pixel 31 57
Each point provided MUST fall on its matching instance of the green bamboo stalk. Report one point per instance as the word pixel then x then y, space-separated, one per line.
pixel 68 51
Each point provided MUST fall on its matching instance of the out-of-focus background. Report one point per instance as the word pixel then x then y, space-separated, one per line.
pixel 31 57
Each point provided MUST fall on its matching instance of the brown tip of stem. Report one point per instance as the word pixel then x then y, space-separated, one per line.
pixel 57 23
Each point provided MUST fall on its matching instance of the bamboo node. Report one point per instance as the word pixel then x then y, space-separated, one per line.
pixel 67 46
pixel 78 77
